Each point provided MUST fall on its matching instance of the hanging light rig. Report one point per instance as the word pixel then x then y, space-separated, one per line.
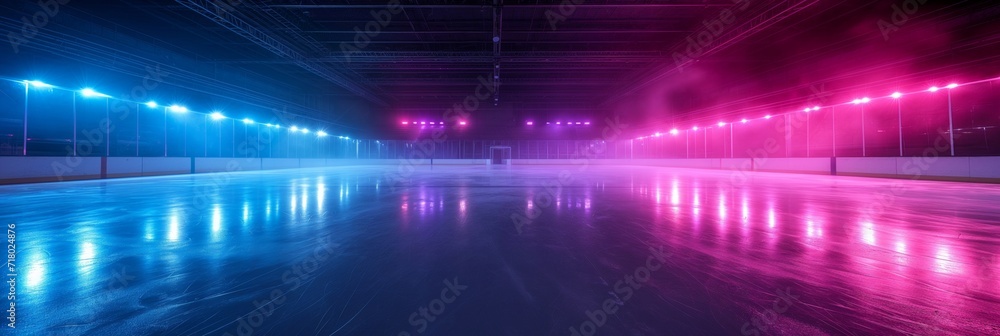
pixel 497 31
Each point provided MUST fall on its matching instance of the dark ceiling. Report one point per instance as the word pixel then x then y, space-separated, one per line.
pixel 429 54
pixel 592 58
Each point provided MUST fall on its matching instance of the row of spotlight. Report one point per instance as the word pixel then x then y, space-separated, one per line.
pixel 430 123
pixel 215 115
pixel 559 123
pixel 858 101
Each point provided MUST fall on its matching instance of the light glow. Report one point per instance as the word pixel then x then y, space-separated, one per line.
pixel 933 89
pixel 674 131
pixel 952 86
pixel 88 92
pixel 178 109
pixel 744 120
pixel 321 134
pixel 896 95
pixel 217 115
pixel 767 116
pixel 151 104
pixel 38 84
pixel 247 121
pixel 461 123
pixel 722 124
pixel 530 123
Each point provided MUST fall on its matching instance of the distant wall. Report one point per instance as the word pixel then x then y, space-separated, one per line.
pixel 18 169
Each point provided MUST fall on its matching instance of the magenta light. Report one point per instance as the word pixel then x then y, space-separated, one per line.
pixel 558 123
pixel 856 101
pixel 548 123
pixel 815 108
pixel 722 124
pixel 578 123
pixel 657 134
pixel 530 123
pixel 767 116
pixel 441 123
pixel 865 100
pixel 586 123
pixel 694 128
pixel 461 123
pixel 744 121
pixel 952 86
pixel 896 95
pixel 933 89
pixel 807 110
pixel 674 131
pixel 423 123
pixel 406 123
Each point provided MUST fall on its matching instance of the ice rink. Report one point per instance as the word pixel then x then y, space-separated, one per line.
pixel 544 250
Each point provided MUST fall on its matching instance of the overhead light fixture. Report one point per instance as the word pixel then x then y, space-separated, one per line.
pixel 88 92
pixel 217 115
pixel 38 84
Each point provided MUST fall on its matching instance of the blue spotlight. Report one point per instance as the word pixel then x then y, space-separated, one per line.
pixel 217 115
pixel 178 109
pixel 38 84
pixel 247 121
pixel 151 104
pixel 88 92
